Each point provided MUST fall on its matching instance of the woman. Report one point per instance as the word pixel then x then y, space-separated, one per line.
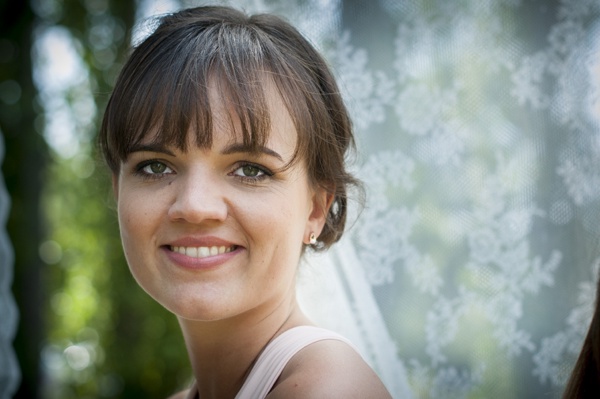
pixel 585 378
pixel 226 137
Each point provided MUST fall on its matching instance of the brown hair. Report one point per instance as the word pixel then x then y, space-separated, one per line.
pixel 585 378
pixel 163 87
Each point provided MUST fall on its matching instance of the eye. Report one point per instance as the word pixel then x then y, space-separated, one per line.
pixel 154 168
pixel 251 173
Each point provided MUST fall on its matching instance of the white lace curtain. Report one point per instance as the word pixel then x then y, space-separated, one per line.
pixel 471 271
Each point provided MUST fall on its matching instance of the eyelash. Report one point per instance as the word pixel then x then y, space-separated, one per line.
pixel 266 173
pixel 139 170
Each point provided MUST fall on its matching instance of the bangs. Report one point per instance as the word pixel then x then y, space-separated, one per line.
pixel 172 107
pixel 162 95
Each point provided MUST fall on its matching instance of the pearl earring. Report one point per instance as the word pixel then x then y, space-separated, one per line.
pixel 312 240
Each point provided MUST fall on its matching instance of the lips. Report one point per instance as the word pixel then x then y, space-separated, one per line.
pixel 202 251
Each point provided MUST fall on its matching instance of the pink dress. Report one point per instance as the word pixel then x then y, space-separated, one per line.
pixel 275 356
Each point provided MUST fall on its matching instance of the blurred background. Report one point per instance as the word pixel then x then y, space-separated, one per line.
pixel 85 329
pixel 479 141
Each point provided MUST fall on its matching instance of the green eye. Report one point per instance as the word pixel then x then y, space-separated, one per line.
pixel 158 167
pixel 250 171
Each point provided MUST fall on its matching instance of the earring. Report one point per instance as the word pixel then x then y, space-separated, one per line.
pixel 312 240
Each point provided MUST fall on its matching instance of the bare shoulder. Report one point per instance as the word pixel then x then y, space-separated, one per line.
pixel 328 369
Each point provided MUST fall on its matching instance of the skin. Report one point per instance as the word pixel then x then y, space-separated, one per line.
pixel 231 304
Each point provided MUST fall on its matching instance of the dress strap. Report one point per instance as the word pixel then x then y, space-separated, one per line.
pixel 275 356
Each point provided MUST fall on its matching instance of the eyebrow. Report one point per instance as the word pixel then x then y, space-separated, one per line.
pixel 230 149
pixel 151 148
pixel 240 147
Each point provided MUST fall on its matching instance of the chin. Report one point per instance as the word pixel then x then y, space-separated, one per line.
pixel 193 308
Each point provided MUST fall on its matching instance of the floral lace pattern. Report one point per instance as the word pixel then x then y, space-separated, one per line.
pixel 475 259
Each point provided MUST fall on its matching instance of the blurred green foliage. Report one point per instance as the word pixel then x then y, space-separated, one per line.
pixel 87 330
pixel 106 338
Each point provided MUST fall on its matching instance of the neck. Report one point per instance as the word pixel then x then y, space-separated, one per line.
pixel 222 352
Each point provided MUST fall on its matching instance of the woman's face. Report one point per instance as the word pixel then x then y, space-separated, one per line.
pixel 215 233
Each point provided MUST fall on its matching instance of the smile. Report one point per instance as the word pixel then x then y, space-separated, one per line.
pixel 202 252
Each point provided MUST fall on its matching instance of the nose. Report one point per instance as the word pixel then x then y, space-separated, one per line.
pixel 198 198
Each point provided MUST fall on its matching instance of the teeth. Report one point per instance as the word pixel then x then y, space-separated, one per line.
pixel 202 252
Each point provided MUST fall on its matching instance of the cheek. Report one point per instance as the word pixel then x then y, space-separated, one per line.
pixel 135 227
pixel 277 222
pixel 128 216
pixel 135 219
pixel 275 212
pixel 139 206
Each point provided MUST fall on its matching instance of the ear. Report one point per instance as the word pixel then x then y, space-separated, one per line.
pixel 321 201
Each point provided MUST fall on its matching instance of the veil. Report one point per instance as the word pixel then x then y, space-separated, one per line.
pixel 334 292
